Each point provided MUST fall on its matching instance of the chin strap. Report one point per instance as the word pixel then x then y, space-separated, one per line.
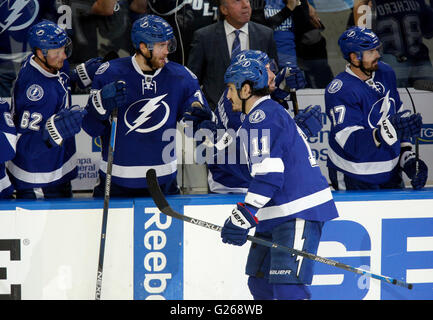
pixel 45 63
pixel 244 101
pixel 361 67
pixel 148 60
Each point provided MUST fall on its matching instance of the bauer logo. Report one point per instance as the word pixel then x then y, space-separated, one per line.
pixel 426 134
pixel 158 254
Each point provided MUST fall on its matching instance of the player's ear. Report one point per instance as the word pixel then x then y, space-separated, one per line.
pixel 39 54
pixel 143 48
pixel 353 58
pixel 245 90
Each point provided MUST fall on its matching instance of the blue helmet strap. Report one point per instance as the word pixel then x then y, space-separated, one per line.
pixel 148 60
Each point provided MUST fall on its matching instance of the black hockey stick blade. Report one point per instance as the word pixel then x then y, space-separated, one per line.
pixel 426 85
pixel 164 207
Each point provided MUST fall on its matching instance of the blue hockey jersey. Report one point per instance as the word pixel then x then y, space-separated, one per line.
pixel 401 25
pixel 146 126
pixel 355 108
pixel 220 176
pixel 37 95
pixel 8 139
pixel 286 181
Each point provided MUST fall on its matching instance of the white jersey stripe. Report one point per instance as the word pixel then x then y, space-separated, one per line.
pixel 42 177
pixel 362 168
pixel 295 206
pixel 136 172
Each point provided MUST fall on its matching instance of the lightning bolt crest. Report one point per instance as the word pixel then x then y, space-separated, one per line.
pixel 16 9
pixel 384 108
pixel 146 110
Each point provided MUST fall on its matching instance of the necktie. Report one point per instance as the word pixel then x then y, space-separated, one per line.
pixel 236 48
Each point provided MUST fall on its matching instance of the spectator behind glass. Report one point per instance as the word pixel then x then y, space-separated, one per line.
pixel 213 46
pixel 401 32
pixel 311 50
pixel 278 16
pixel 16 18
pixel 185 19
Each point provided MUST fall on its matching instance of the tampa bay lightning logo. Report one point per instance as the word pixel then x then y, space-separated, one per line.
pixel 147 115
pixel 35 92
pixel 380 110
pixel 335 85
pixel 17 15
pixel 257 116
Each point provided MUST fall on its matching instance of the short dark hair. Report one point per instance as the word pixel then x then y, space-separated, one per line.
pixel 257 92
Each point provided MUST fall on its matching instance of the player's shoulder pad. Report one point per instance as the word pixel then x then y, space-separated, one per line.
pixel 334 86
pixel 180 70
pixel 385 68
pixel 265 112
pixel 113 65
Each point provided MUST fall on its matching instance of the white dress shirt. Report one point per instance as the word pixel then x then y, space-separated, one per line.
pixel 230 36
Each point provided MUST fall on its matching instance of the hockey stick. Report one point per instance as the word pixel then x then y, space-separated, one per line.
pixel 164 207
pixel 294 99
pixel 416 139
pixel 106 202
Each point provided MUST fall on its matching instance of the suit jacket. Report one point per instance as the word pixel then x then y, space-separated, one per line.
pixel 209 56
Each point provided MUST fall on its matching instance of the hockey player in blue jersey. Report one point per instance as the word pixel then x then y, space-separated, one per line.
pixel 370 139
pixel 287 198
pixel 159 92
pixel 220 177
pixel 8 141
pixel 45 121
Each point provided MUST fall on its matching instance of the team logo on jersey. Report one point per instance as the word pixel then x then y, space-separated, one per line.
pixel 35 92
pixel 376 85
pixel 148 84
pixel 242 117
pixel 17 15
pixel 335 85
pixel 102 68
pixel 380 110
pixel 257 116
pixel 147 115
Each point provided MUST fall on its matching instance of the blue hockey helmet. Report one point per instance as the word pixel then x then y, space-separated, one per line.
pixel 47 35
pixel 247 70
pixel 152 29
pixel 258 55
pixel 251 54
pixel 357 40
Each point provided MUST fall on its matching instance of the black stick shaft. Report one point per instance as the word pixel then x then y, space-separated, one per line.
pixel 165 208
pixel 106 204
pixel 294 99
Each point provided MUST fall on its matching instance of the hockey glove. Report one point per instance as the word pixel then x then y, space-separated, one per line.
pixel 83 73
pixel 63 125
pixel 236 227
pixel 409 164
pixel 310 120
pixel 112 95
pixel 197 113
pixel 290 77
pixel 407 127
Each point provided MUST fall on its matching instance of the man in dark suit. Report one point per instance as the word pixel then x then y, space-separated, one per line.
pixel 213 45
